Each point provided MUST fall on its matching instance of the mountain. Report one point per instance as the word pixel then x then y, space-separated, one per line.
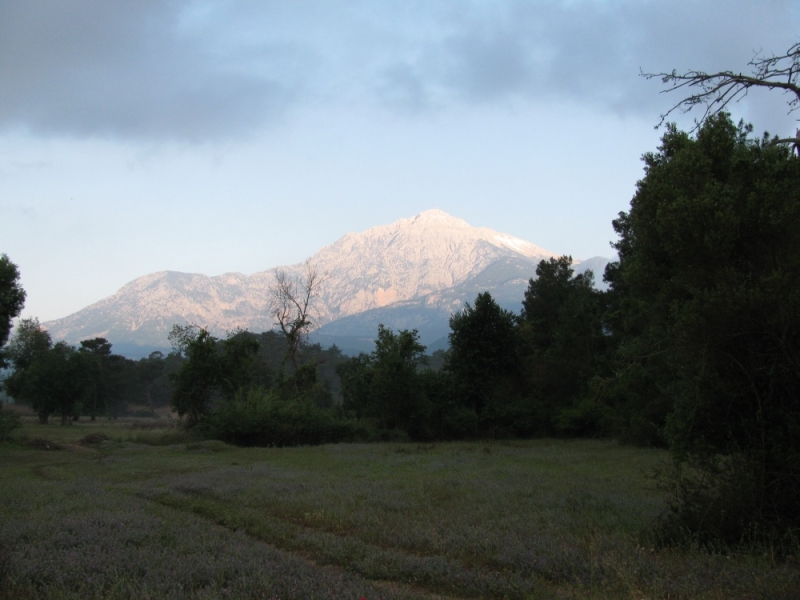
pixel 428 264
pixel 506 279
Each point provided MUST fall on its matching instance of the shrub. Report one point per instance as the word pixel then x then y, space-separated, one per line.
pixel 258 417
pixel 9 421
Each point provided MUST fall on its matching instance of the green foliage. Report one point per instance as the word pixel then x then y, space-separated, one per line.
pixel 57 381
pixel 30 340
pixel 706 308
pixel 238 363
pixel 226 387
pixel 99 394
pixel 29 344
pixel 563 347
pixel 150 369
pixel 483 355
pixel 9 421
pixel 396 385
pixel 100 382
pixel 261 417
pixel 198 377
pixel 386 386
pixel 12 298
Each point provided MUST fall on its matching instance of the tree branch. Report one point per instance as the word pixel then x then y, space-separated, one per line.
pixel 717 90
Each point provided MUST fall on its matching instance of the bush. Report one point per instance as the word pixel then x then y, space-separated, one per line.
pixel 586 418
pixel 144 414
pixel 9 421
pixel 259 417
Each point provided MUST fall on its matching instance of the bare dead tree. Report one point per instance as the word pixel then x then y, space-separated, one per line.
pixel 715 91
pixel 292 304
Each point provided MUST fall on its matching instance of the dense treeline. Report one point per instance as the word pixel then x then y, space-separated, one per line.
pixel 87 380
pixel 90 380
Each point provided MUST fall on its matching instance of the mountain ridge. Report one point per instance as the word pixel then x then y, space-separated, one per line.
pixel 384 265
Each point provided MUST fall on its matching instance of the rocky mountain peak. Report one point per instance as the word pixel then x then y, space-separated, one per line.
pixel 409 258
pixel 436 218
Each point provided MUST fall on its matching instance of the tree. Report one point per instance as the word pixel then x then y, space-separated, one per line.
pixel 396 386
pixel 29 342
pixel 12 298
pixel 385 385
pixel 483 351
pixel 562 344
pixel 30 339
pixel 292 304
pixel 355 374
pixel 150 369
pixel 715 91
pixel 239 363
pixel 57 381
pixel 707 314
pixel 98 353
pixel 197 378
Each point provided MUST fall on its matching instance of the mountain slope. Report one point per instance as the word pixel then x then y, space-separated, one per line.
pixel 389 264
pixel 409 258
pixel 506 279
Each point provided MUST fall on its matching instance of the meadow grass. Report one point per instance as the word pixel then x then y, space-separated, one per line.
pixel 153 512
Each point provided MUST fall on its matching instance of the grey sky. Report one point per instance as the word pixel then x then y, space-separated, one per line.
pixel 170 130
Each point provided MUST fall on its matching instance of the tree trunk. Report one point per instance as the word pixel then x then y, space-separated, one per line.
pixel 65 420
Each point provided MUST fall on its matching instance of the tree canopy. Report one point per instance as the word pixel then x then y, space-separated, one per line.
pixel 12 298
pixel 707 317
pixel 483 350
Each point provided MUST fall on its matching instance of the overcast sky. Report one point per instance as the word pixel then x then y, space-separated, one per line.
pixel 215 136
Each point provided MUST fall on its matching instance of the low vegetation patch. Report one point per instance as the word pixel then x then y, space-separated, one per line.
pixel 204 519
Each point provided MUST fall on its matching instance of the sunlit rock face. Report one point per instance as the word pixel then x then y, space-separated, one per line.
pixel 409 258
pixel 376 268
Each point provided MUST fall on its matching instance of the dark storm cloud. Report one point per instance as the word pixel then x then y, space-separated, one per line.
pixel 197 70
pixel 132 69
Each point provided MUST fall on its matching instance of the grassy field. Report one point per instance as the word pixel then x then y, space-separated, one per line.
pixel 150 513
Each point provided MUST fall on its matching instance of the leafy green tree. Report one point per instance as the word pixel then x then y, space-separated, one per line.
pixel 98 396
pixel 706 309
pixel 12 298
pixel 396 386
pixel 483 354
pixel 563 344
pixel 28 343
pixel 150 369
pixel 9 421
pixel 123 385
pixel 198 377
pixel 356 375
pixel 57 381
pixel 239 364
pixel 30 339
pixel 385 386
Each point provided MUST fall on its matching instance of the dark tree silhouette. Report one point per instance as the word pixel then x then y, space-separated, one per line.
pixel 715 91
